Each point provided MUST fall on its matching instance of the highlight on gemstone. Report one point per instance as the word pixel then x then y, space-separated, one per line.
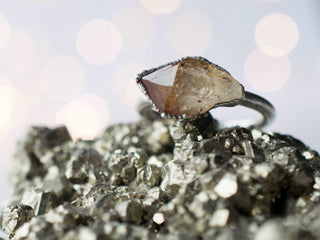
pixel 190 86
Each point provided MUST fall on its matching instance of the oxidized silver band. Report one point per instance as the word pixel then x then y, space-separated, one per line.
pixel 261 105
pixel 249 100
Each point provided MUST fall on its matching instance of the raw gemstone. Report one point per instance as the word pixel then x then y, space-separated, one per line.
pixel 190 86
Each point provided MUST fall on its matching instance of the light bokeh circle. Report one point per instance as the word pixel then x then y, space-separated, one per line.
pixel 62 77
pixel 81 119
pixel 7 104
pixel 13 104
pixel 276 34
pixel 22 106
pixel 266 73
pixel 190 33
pixel 100 104
pixel 85 117
pixel 4 79
pixel 19 62
pixel 160 6
pixel 99 41
pixel 136 26
pixel 19 53
pixel 5 31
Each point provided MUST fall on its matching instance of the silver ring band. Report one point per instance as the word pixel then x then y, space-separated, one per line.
pixel 261 105
pixel 249 100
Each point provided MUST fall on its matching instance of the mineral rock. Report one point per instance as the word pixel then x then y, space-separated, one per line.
pixel 82 165
pixel 150 175
pixel 15 216
pixel 138 157
pixel 130 211
pixel 3 235
pixel 38 200
pixel 60 189
pixel 164 180
pixel 117 160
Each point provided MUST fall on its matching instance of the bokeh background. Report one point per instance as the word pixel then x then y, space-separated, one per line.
pixel 74 61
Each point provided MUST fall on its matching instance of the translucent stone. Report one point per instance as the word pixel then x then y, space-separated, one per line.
pixel 190 86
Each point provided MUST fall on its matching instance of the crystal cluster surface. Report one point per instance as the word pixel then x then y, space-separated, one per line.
pixel 164 179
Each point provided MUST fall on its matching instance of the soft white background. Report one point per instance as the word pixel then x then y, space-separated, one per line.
pixel 74 62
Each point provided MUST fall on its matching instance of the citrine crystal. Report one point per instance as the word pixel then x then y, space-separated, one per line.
pixel 191 86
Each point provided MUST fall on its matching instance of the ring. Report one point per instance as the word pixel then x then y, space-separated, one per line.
pixel 192 86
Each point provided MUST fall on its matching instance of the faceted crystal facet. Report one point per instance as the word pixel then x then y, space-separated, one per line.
pixel 190 86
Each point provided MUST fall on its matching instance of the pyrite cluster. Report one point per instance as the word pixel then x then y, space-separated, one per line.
pixel 164 180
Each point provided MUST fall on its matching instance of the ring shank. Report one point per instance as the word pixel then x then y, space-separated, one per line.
pixel 249 100
pixel 261 105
